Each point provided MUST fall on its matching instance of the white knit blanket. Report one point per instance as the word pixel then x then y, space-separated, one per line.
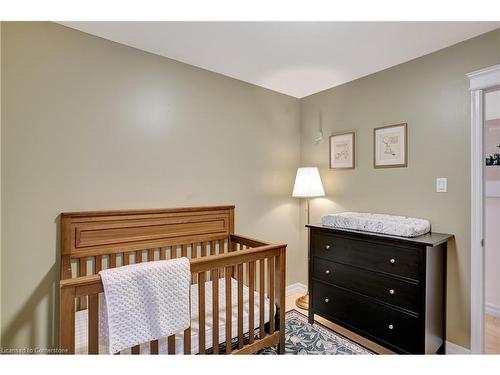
pixel 144 302
pixel 379 223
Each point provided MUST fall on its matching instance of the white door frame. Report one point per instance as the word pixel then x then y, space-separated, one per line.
pixel 480 81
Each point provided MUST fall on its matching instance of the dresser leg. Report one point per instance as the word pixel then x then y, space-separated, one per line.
pixel 310 317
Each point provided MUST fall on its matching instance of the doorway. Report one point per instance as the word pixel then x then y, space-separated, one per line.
pixel 491 173
pixel 485 210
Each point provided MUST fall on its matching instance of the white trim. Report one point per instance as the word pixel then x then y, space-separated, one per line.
pixel 451 348
pixel 295 289
pixel 479 80
pixel 484 78
pixel 492 309
pixel 477 231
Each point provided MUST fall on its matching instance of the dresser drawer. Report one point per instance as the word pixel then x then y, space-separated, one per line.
pixel 381 323
pixel 384 288
pixel 393 259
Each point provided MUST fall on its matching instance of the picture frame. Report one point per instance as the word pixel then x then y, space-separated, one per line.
pixel 343 150
pixel 390 146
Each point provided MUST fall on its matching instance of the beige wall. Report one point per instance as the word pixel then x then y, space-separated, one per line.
pixel 430 94
pixel 90 124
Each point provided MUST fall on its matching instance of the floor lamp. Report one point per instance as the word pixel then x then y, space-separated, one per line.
pixel 307 185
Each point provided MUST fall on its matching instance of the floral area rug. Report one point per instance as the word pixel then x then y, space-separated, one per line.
pixel 304 338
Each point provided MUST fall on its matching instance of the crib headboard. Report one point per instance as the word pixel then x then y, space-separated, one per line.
pixel 88 234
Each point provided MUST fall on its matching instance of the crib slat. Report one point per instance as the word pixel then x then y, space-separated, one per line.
pixel 203 249
pixel 171 344
pixel 270 265
pixel 233 247
pixel 163 253
pixel 201 312
pixel 240 306
pixel 136 350
pixel 83 272
pixel 262 290
pixel 213 251
pixel 138 256
pixel 173 252
pixel 112 260
pixel 83 266
pixel 153 347
pixel 251 302
pixel 93 316
pixel 212 248
pixel 187 340
pixel 215 311
pixel 194 255
pixel 184 251
pixel 126 258
pixel 223 271
pixel 228 310
pixel 98 263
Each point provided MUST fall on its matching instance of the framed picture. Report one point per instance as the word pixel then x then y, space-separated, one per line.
pixel 390 146
pixel 342 149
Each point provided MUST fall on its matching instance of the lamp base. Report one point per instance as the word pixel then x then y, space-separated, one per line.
pixel 303 302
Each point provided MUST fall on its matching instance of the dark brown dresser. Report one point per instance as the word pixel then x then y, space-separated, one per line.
pixel 389 289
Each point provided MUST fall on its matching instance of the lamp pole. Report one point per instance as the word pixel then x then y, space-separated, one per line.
pixel 308 211
pixel 303 302
pixel 307 185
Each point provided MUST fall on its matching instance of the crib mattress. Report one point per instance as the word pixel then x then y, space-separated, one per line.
pixel 378 223
pixel 81 320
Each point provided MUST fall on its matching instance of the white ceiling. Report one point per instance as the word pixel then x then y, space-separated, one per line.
pixel 294 58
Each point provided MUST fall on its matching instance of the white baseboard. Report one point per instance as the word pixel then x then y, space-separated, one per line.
pixel 492 309
pixel 296 288
pixel 451 348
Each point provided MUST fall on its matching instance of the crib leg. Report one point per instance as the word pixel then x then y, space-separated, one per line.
pixel 281 343
pixel 281 346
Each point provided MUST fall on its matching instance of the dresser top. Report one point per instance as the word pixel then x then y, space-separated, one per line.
pixel 429 239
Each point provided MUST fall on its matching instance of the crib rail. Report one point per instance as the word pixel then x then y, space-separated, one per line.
pixel 258 265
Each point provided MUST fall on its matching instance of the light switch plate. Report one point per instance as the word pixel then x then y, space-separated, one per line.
pixel 441 185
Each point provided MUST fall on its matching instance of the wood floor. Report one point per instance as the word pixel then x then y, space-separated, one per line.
pixel 492 334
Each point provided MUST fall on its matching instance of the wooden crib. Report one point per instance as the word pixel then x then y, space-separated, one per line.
pixel 91 241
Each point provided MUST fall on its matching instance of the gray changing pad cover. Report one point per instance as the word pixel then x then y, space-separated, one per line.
pixel 378 223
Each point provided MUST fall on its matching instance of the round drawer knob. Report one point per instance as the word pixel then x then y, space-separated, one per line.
pixel 327 272
pixel 327 247
pixel 327 300
pixel 392 291
pixel 392 260
pixel 391 326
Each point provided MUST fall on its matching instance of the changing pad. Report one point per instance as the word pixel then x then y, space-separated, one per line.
pixel 378 223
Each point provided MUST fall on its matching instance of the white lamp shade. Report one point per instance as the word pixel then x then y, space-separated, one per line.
pixel 308 183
